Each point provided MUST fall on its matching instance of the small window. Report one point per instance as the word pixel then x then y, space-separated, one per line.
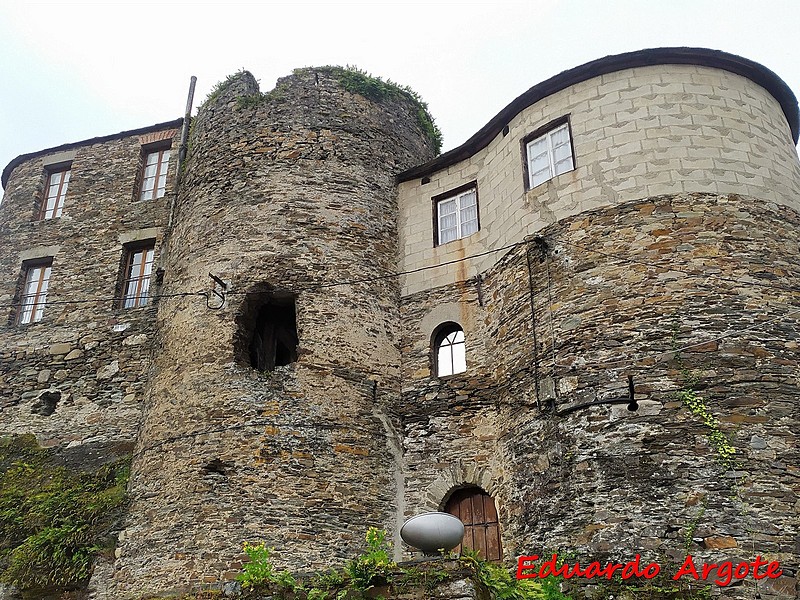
pixel 449 347
pixel 154 174
pixel 274 338
pixel 456 214
pixel 33 297
pixel 548 155
pixel 54 193
pixel 136 275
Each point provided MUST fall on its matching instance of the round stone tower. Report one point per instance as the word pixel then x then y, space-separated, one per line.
pixel 631 377
pixel 265 414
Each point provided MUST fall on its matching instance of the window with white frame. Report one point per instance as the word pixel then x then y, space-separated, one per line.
pixel 450 350
pixel 34 292
pixel 154 174
pixel 548 155
pixel 54 193
pixel 456 214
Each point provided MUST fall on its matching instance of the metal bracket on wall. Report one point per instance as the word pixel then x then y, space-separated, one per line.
pixel 633 406
pixel 220 295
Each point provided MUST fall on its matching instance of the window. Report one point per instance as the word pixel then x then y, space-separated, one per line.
pixel 54 193
pixel 475 508
pixel 456 214
pixel 450 354
pixel 34 292
pixel 136 281
pixel 548 155
pixel 274 338
pixel 154 174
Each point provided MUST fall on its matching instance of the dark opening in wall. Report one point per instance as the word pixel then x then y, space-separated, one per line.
pixel 215 467
pixel 45 404
pixel 268 330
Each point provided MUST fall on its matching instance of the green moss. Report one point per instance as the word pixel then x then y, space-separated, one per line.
pixel 221 87
pixel 357 81
pixel 54 521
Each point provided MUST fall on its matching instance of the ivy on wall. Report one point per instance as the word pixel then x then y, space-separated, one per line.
pixel 54 520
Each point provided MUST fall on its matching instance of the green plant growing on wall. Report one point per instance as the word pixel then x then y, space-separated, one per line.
pixel 374 567
pixel 688 535
pixel 696 404
pixel 54 521
pixel 221 86
pixel 357 81
pixel 259 571
pixel 503 586
pixel 374 564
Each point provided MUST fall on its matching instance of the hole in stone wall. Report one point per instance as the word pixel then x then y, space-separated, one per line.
pixel 45 404
pixel 267 336
pixel 216 466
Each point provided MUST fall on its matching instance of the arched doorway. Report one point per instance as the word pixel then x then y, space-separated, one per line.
pixel 477 511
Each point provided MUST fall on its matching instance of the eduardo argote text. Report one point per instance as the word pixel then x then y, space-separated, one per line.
pixel 721 573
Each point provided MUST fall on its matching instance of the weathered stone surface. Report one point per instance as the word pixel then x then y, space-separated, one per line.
pixel 601 480
pixel 310 448
pixel 719 542
pixel 649 288
pixel 60 348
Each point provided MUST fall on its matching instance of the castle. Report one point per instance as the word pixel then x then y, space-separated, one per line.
pixel 577 331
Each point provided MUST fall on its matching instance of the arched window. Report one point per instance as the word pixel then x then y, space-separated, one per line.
pixel 477 511
pixel 449 350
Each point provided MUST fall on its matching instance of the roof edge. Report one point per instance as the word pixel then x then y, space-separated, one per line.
pixel 96 140
pixel 655 56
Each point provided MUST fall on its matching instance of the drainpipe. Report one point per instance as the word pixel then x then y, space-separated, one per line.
pixel 183 148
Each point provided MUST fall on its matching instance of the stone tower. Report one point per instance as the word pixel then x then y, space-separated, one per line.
pixel 265 417
pixel 630 315
pixel 609 265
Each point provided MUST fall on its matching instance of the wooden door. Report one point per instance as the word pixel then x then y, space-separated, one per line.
pixel 477 511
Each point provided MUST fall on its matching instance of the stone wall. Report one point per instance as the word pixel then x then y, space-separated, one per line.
pixel 293 193
pixel 616 291
pixel 636 133
pixel 76 378
pixel 677 230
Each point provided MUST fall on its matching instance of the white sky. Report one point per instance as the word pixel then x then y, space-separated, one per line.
pixel 76 70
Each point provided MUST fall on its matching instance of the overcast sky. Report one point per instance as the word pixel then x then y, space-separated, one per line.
pixel 76 70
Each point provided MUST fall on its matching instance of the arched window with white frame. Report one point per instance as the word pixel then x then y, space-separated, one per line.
pixel 449 350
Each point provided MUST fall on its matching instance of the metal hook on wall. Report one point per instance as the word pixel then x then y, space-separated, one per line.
pixel 220 295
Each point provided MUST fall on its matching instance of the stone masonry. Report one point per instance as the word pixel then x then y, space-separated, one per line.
pixel 662 266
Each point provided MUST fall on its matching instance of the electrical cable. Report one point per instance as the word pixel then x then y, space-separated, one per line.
pixel 526 242
pixel 318 286
pixel 310 287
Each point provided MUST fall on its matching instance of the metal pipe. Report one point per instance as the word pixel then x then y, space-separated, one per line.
pixel 185 129
pixel 182 149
